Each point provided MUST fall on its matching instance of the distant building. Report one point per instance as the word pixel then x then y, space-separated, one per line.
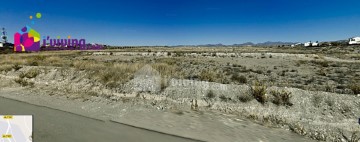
pixel 354 40
pixel 311 44
pixel 297 44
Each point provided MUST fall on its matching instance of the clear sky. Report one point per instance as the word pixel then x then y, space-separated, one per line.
pixel 179 22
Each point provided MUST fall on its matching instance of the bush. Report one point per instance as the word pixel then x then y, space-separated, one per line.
pixel 259 92
pixel 237 78
pixel 5 68
pixel 245 98
pixel 258 71
pixel 35 60
pixel 32 73
pixel 321 72
pixel 355 88
pixel 321 63
pixel 223 98
pixel 24 82
pixel 16 67
pixel 179 53
pixel 210 94
pixel 281 98
pixel 164 83
pixel 33 63
pixel 207 75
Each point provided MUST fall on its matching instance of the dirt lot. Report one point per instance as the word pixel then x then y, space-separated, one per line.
pixel 313 92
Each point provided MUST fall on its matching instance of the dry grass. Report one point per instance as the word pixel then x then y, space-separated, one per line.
pixel 110 74
pixel 321 63
pixel 55 61
pixel 58 59
pixel 32 73
pixel 165 69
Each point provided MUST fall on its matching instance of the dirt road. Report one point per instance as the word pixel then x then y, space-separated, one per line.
pixel 58 126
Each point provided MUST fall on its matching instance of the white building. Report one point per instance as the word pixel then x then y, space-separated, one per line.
pixel 354 40
pixel 311 44
pixel 297 44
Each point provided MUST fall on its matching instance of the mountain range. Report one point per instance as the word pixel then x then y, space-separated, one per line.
pixel 268 43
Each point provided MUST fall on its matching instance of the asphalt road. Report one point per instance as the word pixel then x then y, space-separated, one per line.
pixel 57 126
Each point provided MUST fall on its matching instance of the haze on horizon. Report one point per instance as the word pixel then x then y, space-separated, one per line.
pixel 186 22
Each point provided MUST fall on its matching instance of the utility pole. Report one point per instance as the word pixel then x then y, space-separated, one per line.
pixel 4 35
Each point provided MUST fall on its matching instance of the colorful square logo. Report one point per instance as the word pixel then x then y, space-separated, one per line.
pixel 26 40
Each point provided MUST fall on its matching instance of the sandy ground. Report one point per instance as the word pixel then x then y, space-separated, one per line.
pixel 53 122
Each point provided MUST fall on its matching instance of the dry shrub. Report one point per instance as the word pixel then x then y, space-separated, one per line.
pixel 6 68
pixel 245 98
pixel 164 83
pixel 321 63
pixel 239 79
pixel 281 98
pixel 355 88
pixel 258 90
pixel 35 60
pixel 24 82
pixel 32 73
pixel 115 74
pixel 223 98
pixel 317 99
pixel 354 137
pixel 300 62
pixel 207 75
pixel 210 95
pixel 321 72
pixel 16 67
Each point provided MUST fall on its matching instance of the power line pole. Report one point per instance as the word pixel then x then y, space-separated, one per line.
pixel 4 35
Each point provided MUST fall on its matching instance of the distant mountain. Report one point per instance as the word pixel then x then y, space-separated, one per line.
pixel 212 45
pixel 245 44
pixel 268 43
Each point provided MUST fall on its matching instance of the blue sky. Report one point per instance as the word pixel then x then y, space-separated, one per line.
pixel 180 22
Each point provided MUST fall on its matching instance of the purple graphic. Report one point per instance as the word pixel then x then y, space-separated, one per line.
pixel 68 44
pixel 26 40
